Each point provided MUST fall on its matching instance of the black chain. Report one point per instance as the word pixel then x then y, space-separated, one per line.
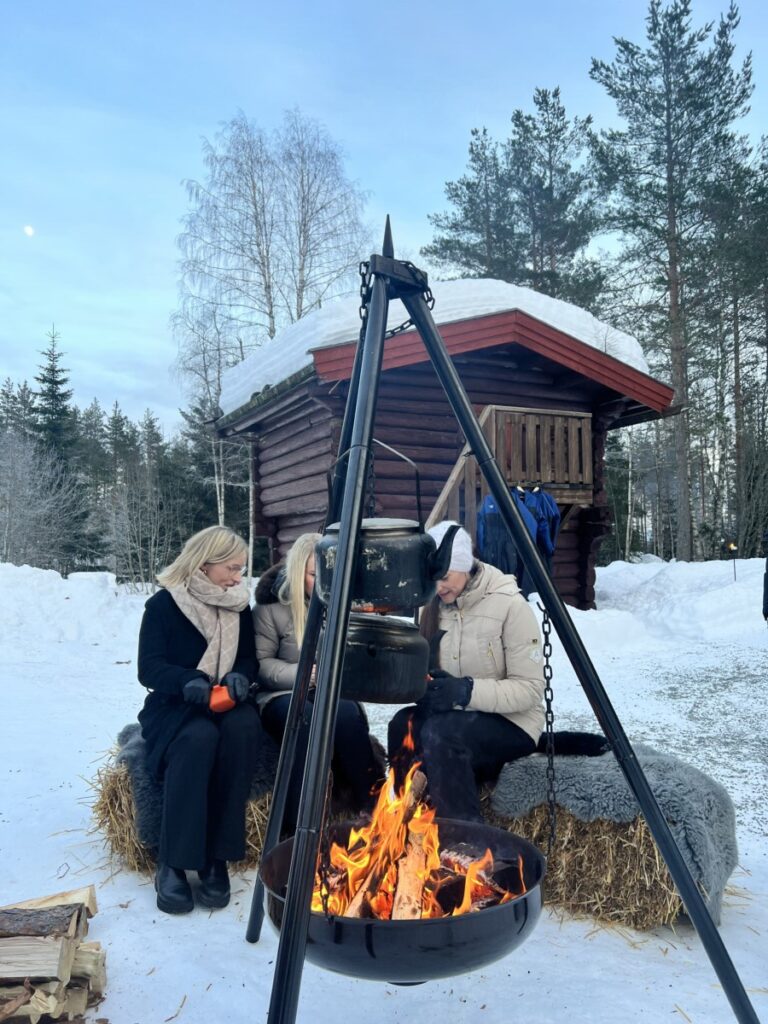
pixel 549 721
pixel 365 297
pixel 324 865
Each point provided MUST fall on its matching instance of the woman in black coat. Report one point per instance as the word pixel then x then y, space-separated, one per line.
pixel 197 632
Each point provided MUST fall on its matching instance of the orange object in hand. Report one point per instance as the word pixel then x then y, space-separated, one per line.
pixel 220 700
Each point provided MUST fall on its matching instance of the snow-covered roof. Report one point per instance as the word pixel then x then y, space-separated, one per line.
pixel 338 322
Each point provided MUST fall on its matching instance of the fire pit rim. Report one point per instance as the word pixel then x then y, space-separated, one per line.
pixel 391 951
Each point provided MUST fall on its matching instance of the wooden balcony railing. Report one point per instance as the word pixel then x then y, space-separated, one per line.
pixel 544 447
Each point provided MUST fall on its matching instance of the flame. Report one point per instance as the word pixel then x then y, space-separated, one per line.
pixel 361 878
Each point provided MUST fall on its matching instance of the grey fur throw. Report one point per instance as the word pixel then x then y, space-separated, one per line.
pixel 148 792
pixel 698 810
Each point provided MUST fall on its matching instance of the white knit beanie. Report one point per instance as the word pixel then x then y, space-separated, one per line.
pixel 462 558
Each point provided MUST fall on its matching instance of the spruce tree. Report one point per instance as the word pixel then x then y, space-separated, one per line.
pixel 54 415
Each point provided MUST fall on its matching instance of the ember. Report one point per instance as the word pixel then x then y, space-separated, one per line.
pixel 395 869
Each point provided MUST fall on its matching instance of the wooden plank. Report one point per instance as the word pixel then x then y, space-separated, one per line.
pixel 470 495
pixel 586 448
pixel 574 451
pixel 545 447
pixel 514 440
pixel 561 451
pixel 531 471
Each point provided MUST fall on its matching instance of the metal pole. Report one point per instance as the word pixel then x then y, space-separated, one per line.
pixel 293 931
pixel 574 648
pixel 295 720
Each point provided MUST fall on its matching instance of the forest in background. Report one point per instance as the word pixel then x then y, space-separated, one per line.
pixel 659 227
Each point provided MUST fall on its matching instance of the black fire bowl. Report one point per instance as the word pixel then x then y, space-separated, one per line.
pixel 409 952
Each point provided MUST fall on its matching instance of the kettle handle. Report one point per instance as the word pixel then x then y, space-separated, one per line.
pixel 394 451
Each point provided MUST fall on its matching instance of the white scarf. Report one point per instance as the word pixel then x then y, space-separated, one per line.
pixel 215 612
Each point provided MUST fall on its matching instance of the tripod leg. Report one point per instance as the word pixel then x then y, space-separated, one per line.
pixel 296 914
pixel 303 670
pixel 287 758
pixel 585 670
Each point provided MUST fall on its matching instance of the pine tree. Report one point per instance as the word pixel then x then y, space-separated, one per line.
pixel 526 211
pixel 679 99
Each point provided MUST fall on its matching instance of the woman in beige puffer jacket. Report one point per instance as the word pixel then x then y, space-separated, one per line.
pixel 484 705
pixel 279 616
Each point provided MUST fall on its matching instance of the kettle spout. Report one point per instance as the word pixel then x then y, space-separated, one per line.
pixel 440 560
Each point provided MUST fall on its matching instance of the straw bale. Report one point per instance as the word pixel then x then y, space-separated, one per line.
pixel 114 815
pixel 608 870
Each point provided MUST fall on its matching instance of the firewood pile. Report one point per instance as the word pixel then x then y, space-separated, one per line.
pixel 48 971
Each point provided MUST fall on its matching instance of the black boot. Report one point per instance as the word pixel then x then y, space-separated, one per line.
pixel 214 885
pixel 174 895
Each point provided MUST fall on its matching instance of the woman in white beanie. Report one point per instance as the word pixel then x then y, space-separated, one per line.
pixel 485 702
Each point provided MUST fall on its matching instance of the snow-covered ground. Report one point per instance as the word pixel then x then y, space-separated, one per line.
pixel 682 651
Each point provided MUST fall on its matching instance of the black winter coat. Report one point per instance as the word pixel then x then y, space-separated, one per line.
pixel 170 648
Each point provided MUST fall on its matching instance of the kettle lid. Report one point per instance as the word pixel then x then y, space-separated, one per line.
pixel 382 525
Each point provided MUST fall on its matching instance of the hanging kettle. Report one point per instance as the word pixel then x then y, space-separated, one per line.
pixel 398 563
pixel 386 660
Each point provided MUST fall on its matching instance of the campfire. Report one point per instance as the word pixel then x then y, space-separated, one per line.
pixel 396 869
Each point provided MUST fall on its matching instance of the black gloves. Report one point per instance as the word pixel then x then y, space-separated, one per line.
pixel 238 686
pixel 445 692
pixel 197 691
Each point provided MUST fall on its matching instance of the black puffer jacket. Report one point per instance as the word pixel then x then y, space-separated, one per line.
pixel 170 648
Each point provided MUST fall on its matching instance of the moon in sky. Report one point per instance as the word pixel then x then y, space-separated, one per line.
pixel 29 230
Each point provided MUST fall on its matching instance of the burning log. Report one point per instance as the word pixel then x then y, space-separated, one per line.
pixel 411 873
pixel 394 868
pixel 358 906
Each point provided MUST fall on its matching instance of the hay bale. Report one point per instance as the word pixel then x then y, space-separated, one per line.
pixel 608 870
pixel 114 815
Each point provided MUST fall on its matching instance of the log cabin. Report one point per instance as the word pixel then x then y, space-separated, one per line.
pixel 547 381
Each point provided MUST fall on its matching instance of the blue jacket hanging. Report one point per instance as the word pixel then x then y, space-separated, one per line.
pixel 543 508
pixel 494 543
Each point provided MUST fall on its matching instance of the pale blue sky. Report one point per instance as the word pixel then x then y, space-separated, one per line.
pixel 104 105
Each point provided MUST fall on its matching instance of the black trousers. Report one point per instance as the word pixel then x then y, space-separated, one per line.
pixel 354 762
pixel 208 768
pixel 457 750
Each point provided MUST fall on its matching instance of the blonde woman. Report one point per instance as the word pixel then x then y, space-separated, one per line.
pixel 279 616
pixel 196 632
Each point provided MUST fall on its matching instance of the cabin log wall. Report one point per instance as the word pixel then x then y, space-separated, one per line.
pixel 298 438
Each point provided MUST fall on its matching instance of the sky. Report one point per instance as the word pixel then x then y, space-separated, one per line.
pixel 687 678
pixel 104 107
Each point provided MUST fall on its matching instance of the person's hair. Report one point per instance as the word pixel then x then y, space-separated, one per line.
pixel 291 591
pixel 213 544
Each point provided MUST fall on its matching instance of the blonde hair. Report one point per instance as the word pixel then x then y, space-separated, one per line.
pixel 291 591
pixel 213 544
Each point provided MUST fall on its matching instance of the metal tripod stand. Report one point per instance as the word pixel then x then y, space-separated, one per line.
pixel 390 279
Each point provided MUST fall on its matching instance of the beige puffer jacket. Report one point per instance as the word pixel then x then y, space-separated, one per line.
pixel 275 640
pixel 492 635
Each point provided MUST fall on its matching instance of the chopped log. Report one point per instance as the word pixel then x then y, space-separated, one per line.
pixel 35 956
pixel 43 1003
pixel 70 920
pixel 85 895
pixel 12 1001
pixel 358 904
pixel 90 964
pixel 410 879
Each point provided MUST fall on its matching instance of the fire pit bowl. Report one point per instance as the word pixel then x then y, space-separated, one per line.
pixel 408 952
